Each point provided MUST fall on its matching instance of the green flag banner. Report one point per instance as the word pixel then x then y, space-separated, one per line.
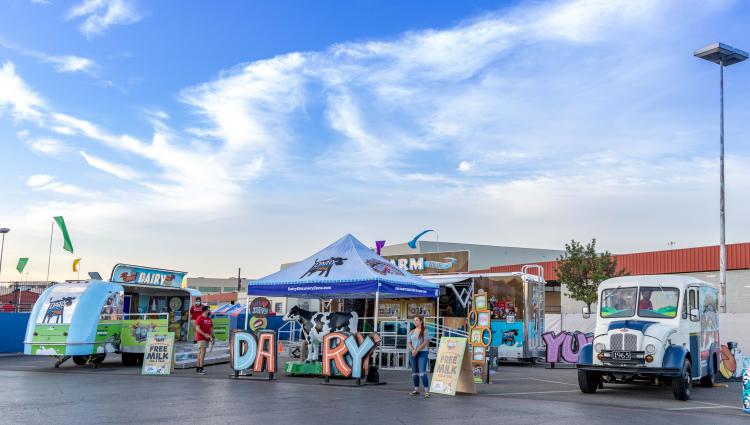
pixel 68 245
pixel 21 264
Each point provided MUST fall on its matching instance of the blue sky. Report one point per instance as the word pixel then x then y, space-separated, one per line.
pixel 210 136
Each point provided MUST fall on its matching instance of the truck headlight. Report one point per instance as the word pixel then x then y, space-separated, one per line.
pixel 599 347
pixel 650 348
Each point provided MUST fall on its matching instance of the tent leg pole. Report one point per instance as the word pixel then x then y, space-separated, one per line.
pixel 377 307
pixel 247 308
pixel 437 316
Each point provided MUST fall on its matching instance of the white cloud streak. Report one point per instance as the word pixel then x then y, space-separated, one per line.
pixel 120 171
pixel 47 183
pixel 102 14
pixel 47 146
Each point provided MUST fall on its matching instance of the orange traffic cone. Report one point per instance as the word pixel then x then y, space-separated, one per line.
pixel 281 347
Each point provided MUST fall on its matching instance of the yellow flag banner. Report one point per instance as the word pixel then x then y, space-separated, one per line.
pixel 76 263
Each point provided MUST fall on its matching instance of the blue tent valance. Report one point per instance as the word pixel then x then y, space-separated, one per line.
pixel 344 269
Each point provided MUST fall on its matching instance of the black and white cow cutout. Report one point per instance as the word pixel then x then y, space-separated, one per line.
pixel 316 325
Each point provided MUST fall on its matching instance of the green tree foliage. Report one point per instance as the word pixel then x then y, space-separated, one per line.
pixel 581 270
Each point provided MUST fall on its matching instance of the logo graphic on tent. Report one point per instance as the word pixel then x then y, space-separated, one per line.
pixel 323 267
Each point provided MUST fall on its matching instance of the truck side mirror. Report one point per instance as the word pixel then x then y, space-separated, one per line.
pixel 586 312
pixel 694 314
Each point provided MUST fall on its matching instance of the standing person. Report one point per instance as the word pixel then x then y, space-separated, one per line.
pixel 418 344
pixel 204 333
pixel 195 312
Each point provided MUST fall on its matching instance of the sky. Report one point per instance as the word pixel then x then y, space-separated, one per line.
pixel 212 136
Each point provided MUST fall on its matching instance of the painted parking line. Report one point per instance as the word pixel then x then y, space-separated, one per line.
pixel 707 406
pixel 532 392
pixel 554 382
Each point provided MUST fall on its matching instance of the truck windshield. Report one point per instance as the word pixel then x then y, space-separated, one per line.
pixel 618 302
pixel 658 302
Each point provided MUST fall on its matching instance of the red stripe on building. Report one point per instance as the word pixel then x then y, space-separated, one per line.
pixel 686 260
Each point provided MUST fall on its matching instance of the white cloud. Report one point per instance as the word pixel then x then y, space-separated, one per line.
pixel 121 171
pixel 62 63
pixel 47 183
pixel 47 146
pixel 39 180
pixel 72 64
pixel 465 166
pixel 101 14
pixel 23 102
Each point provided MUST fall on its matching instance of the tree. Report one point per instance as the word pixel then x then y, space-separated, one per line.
pixel 581 270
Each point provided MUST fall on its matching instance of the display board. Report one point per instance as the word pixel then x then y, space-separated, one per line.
pixel 480 335
pixel 453 371
pixel 158 358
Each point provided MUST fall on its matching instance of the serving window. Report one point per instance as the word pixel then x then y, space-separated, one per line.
pixel 505 296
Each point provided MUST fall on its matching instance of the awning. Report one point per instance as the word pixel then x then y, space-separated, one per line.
pixel 344 269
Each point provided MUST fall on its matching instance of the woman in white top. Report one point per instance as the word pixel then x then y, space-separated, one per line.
pixel 418 345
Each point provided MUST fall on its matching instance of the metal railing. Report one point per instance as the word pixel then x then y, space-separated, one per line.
pixel 18 297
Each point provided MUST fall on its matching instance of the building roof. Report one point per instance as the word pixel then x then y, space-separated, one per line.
pixel 685 260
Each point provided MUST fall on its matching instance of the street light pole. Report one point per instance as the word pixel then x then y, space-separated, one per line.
pixel 723 55
pixel 3 230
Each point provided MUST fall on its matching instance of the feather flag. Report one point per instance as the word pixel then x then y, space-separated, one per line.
pixel 67 244
pixel 76 263
pixel 379 245
pixel 21 264
pixel 413 243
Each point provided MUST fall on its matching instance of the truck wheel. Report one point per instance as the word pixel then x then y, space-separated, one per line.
pixel 80 360
pixel 588 381
pixel 709 380
pixel 682 386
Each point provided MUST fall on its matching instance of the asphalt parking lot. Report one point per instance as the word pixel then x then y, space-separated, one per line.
pixel 33 391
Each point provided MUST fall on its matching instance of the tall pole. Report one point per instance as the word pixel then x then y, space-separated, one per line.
pixel 722 238
pixel 2 248
pixel 49 257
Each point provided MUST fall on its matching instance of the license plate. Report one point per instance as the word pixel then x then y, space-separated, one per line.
pixel 621 355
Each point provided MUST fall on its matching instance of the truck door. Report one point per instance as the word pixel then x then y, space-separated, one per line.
pixel 693 306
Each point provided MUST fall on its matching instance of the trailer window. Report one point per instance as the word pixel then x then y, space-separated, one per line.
pixel 658 302
pixel 505 296
pixel 618 302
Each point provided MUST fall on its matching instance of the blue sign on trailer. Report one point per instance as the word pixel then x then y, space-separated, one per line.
pixel 126 273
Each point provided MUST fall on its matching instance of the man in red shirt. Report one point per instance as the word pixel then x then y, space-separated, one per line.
pixel 645 303
pixel 195 312
pixel 204 333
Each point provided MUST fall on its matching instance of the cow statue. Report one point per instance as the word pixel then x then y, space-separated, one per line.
pixel 316 325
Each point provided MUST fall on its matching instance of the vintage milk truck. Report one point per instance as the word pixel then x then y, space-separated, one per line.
pixel 654 329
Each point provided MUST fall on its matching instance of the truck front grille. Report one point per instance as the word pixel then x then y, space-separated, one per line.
pixel 626 342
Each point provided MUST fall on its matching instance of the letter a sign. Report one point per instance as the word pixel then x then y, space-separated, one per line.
pixel 453 372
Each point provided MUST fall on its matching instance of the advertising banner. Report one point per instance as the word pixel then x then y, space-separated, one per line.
pixel 453 372
pixel 432 262
pixel 158 357
pixel 126 273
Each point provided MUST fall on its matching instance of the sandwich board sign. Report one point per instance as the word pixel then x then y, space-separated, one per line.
pixel 453 372
pixel 158 358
